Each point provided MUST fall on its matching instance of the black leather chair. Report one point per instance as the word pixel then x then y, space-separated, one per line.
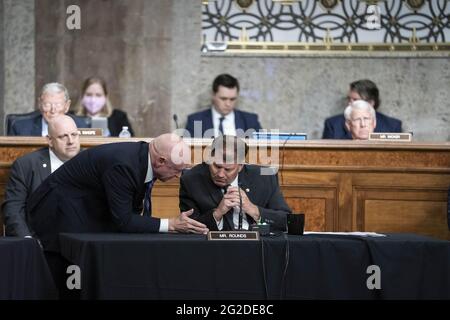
pixel 10 118
pixel 448 209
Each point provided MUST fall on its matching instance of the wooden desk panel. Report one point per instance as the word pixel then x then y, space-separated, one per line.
pixel 339 185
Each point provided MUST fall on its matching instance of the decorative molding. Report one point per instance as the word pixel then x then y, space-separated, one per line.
pixel 328 25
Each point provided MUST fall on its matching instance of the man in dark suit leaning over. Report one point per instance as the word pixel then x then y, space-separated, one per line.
pixel 28 172
pixel 213 189
pixel 222 117
pixel 103 190
pixel 366 90
pixel 53 101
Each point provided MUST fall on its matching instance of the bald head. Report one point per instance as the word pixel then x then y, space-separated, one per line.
pixel 169 155
pixel 63 137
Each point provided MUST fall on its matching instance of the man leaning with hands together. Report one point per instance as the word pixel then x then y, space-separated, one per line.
pixel 216 190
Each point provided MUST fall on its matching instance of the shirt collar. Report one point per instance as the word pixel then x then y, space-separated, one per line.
pixel 55 162
pixel 217 115
pixel 149 176
pixel 44 131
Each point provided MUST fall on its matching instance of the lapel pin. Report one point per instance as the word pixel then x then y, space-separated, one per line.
pixel 44 165
pixel 247 190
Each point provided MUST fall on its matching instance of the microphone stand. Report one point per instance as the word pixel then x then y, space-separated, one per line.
pixel 240 209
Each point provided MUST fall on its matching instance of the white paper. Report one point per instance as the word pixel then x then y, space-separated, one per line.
pixel 355 233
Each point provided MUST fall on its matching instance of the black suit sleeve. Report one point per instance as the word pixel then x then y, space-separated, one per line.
pixel 190 126
pixel 258 125
pixel 120 190
pixel 328 131
pixel 16 194
pixel 187 203
pixel 276 209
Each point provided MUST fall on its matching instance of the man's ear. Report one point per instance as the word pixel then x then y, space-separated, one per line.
pixel 68 102
pixel 241 166
pixel 374 123
pixel 161 161
pixel 49 141
pixel 347 125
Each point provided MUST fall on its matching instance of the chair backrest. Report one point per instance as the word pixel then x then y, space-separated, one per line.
pixel 11 118
pixel 448 209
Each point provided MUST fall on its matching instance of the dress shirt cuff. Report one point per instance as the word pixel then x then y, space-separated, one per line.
pixel 164 225
pixel 219 224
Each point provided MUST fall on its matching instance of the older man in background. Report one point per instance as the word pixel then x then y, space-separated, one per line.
pixel 53 101
pixel 360 119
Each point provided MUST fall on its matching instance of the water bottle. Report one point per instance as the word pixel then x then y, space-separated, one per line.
pixel 124 133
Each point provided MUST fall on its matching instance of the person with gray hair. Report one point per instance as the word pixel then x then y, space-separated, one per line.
pixel 360 119
pixel 53 101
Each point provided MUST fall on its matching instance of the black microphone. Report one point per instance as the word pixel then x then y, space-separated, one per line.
pixel 175 119
pixel 240 208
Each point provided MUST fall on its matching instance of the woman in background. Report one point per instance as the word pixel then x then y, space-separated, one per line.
pixel 94 102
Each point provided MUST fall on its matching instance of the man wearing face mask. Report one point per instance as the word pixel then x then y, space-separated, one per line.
pixel 53 101
pixel 95 104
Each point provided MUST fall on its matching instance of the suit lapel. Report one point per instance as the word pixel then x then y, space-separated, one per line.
pixel 214 191
pixel 239 120
pixel 44 164
pixel 37 126
pixel 207 122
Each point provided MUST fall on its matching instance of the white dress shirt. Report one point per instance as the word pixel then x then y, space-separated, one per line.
pixel 228 124
pixel 245 224
pixel 55 162
pixel 44 131
pixel 164 223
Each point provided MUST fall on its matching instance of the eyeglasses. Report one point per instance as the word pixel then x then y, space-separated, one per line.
pixel 46 106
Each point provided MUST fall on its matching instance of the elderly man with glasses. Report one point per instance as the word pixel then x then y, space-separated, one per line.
pixel 53 101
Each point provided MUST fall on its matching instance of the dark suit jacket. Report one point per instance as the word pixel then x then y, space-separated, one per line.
pixel 243 120
pixel 99 190
pixel 335 126
pixel 198 192
pixel 26 174
pixel 33 126
pixel 116 121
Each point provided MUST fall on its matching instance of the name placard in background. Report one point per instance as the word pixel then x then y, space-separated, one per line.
pixel 400 137
pixel 90 132
pixel 233 235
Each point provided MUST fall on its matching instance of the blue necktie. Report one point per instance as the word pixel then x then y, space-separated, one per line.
pixel 147 198
pixel 221 125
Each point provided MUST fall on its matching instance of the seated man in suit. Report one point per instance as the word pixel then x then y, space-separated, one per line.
pixel 107 189
pixel 215 191
pixel 360 119
pixel 335 127
pixel 222 117
pixel 53 101
pixel 28 172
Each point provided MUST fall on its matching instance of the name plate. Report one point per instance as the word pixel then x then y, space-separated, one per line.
pixel 90 132
pixel 233 235
pixel 401 137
